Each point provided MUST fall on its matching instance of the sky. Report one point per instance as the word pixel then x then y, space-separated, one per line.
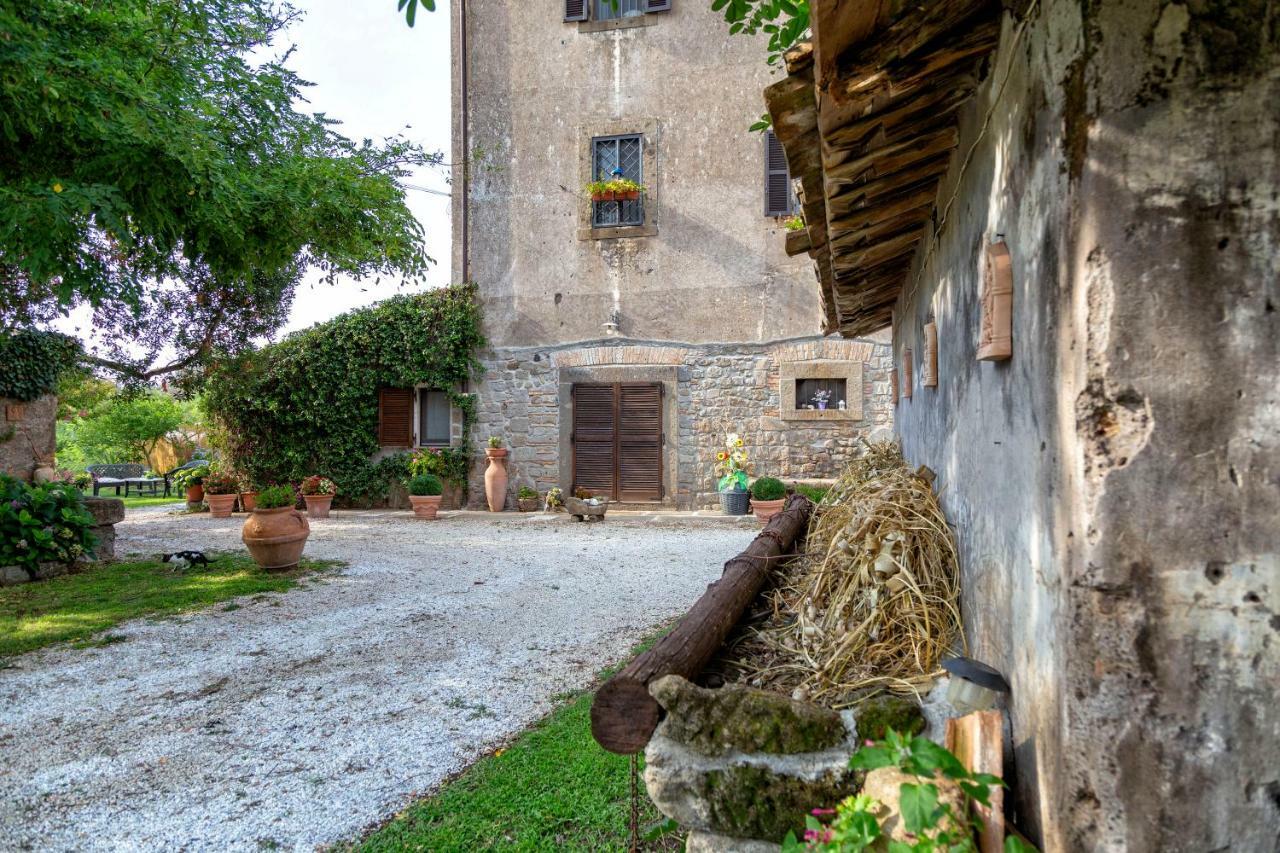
pixel 380 78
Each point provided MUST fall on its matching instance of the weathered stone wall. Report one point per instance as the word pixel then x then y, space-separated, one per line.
pixel 27 435
pixel 1114 484
pixel 713 269
pixel 712 389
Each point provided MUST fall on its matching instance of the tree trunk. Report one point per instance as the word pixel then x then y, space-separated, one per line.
pixel 624 715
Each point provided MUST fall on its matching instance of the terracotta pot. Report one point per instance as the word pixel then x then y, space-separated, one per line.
pixel 318 505
pixel 766 510
pixel 425 506
pixel 195 494
pixel 608 195
pixel 275 537
pixel 631 195
pixel 248 500
pixel 221 506
pixel 529 504
pixel 495 479
pixel 597 196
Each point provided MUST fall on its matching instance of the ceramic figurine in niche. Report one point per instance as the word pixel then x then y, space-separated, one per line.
pixel 906 374
pixel 930 365
pixel 995 342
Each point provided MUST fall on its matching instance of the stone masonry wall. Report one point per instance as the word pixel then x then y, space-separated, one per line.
pixel 27 438
pixel 719 388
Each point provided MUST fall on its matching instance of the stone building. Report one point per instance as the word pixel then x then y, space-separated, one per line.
pixel 628 336
pixel 1068 212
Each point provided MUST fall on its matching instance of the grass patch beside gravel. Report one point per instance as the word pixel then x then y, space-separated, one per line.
pixel 135 501
pixel 76 607
pixel 553 788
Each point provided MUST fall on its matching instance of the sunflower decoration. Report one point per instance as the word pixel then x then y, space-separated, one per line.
pixel 732 464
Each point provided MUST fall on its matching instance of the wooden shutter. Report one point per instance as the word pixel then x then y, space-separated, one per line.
pixel 657 5
pixel 395 417
pixel 575 10
pixel 640 442
pixel 594 439
pixel 777 178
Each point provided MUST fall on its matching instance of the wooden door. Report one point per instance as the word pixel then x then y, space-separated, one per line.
pixel 617 440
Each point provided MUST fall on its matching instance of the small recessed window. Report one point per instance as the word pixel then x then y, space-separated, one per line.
pixel 820 393
pixel 615 157
pixel 433 418
pixel 608 10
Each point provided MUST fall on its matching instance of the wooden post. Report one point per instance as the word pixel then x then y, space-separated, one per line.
pixel 624 715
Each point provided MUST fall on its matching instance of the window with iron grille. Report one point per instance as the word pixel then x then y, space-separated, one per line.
pixel 617 157
pixel 779 199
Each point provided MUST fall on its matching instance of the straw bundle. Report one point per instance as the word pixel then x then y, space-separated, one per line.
pixel 873 604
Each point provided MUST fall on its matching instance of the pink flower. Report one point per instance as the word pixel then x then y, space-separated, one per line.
pixel 821 812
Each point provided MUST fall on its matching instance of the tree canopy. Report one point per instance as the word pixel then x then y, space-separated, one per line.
pixel 155 165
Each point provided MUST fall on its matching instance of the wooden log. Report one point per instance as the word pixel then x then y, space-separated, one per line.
pixel 624 715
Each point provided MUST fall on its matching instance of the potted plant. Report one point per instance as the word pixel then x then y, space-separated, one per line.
pixel 820 398
pixel 731 468
pixel 191 480
pixel 793 223
pixel 625 189
pixel 318 492
pixel 248 494
pixel 767 497
pixel 600 191
pixel 555 499
pixel 275 533
pixel 527 499
pixel 220 493
pixel 424 495
pixel 495 476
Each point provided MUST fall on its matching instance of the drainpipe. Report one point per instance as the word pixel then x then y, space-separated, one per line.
pixel 466 145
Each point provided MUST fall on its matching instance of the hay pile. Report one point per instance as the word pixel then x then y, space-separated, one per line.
pixel 873 604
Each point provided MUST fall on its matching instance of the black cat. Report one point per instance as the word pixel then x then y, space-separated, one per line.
pixel 187 559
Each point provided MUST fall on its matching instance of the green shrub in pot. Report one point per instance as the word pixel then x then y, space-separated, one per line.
pixel 768 489
pixel 425 485
pixel 274 497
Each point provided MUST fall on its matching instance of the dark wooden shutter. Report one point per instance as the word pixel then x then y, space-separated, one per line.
pixel 594 443
pixel 575 10
pixel 640 442
pixel 657 5
pixel 777 179
pixel 395 417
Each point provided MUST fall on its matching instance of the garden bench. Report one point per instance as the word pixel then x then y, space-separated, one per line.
pixel 115 476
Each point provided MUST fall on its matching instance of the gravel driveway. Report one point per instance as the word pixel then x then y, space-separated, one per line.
pixel 302 718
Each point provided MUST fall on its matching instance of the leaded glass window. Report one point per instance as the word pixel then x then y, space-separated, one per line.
pixel 617 157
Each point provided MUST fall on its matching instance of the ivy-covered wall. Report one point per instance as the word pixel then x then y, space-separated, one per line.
pixel 309 404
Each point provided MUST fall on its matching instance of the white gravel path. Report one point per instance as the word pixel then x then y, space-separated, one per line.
pixel 302 718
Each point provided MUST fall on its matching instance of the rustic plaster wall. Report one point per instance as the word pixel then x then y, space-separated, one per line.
pixel 539 87
pixel 712 389
pixel 1114 485
pixel 27 435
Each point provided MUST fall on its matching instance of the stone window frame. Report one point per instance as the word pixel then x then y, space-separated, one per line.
pixel 648 128
pixel 789 372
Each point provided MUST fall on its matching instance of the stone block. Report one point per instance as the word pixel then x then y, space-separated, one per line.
pixel 105 510
pixel 710 842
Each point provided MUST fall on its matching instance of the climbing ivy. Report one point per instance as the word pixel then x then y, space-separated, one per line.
pixel 33 361
pixel 309 404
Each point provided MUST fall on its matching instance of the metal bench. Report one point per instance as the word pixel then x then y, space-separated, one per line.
pixel 115 476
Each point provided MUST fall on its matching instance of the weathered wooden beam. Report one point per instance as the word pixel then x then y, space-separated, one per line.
pixel 624 715
pixel 797 243
pixel 891 158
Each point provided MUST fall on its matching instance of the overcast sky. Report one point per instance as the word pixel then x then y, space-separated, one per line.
pixel 379 77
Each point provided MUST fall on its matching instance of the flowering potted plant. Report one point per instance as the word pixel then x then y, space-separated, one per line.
pixel 600 191
pixel 424 494
pixel 821 398
pixel 191 480
pixel 220 493
pixel 527 499
pixel 555 499
pixel 495 476
pixel 731 468
pixel 625 189
pixel 275 533
pixel 767 497
pixel 318 492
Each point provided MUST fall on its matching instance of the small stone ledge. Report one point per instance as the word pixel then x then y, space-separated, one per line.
pixel 16 575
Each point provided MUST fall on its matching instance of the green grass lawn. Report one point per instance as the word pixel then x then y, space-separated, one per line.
pixel 77 607
pixel 553 788
pixel 142 500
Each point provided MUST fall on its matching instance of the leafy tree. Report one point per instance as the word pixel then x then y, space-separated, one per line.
pixel 153 165
pixel 133 424
pixel 786 22
pixel 80 392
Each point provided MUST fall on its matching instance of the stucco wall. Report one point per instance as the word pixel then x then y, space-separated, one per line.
pixel 1114 485
pixel 710 389
pixel 539 87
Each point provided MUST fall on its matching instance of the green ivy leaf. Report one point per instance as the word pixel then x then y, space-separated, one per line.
pixel 918 804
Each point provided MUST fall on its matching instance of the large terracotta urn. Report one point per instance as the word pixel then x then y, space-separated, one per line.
pixel 221 506
pixel 275 537
pixel 425 506
pixel 495 479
